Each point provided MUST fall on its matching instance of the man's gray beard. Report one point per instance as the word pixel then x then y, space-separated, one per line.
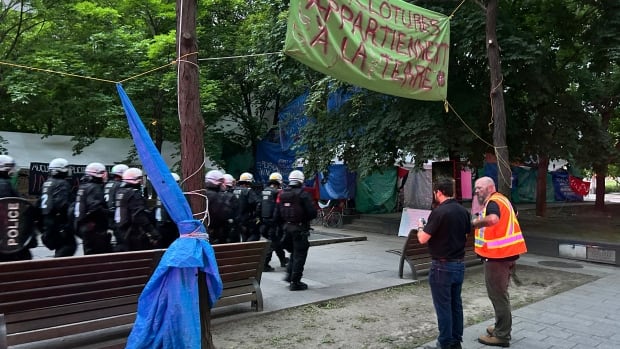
pixel 480 200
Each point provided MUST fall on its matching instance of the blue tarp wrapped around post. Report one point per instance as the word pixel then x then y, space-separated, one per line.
pixel 168 308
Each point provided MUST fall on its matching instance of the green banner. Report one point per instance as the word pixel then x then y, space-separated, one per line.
pixel 387 46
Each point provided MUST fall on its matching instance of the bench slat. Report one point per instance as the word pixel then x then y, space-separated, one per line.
pixel 59 302
pixel 419 259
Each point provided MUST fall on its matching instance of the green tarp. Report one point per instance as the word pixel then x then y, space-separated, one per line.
pixel 387 46
pixel 376 193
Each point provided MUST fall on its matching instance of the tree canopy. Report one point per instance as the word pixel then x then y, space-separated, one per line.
pixel 560 64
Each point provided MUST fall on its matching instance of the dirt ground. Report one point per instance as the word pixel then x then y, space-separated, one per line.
pixel 399 317
pixel 403 317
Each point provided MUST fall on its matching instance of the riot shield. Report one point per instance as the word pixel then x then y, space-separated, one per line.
pixel 17 224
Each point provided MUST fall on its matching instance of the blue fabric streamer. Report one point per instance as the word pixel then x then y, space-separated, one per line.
pixel 168 312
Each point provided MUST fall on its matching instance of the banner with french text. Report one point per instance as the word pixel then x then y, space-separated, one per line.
pixel 387 46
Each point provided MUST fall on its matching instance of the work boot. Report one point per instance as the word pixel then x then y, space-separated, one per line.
pixel 287 278
pixel 269 268
pixel 493 341
pixel 283 262
pixel 490 330
pixel 298 286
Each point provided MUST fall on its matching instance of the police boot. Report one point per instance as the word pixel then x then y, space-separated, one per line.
pixel 298 286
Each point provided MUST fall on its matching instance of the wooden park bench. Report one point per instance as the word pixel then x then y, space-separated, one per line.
pixel 419 260
pixel 241 266
pixel 72 302
pixel 91 301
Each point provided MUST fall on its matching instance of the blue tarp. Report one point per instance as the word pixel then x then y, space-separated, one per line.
pixel 168 313
pixel 339 184
pixel 271 158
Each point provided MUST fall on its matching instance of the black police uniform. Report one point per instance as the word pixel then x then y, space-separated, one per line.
pixel 134 221
pixel 270 228
pixel 246 217
pixel 109 193
pixel 296 209
pixel 54 203
pixel 91 216
pixel 166 227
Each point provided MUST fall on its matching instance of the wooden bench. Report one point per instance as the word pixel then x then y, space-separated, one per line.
pixel 91 301
pixel 241 266
pixel 66 302
pixel 419 260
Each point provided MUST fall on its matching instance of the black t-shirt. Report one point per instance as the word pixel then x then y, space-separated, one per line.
pixel 493 208
pixel 448 225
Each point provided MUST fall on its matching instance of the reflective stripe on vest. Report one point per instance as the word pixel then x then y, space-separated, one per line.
pixel 511 237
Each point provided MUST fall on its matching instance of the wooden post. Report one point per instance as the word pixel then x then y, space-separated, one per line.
pixel 504 177
pixel 192 136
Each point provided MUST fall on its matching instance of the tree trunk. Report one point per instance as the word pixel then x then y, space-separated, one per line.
pixel 601 173
pixel 541 185
pixel 504 177
pixel 192 127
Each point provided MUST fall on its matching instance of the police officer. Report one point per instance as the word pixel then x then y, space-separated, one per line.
pixel 109 193
pixel 296 209
pixel 231 203
pixel 90 211
pixel 270 228
pixel 7 168
pixel 214 184
pixel 248 200
pixel 166 227
pixel 134 221
pixel 56 195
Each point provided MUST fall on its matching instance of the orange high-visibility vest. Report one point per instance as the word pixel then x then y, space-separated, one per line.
pixel 503 239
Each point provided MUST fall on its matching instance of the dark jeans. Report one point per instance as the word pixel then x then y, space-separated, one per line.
pixel 446 281
pixel 497 278
pixel 299 253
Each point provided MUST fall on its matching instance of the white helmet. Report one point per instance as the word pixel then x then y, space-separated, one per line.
pixel 57 166
pixel 119 169
pixel 132 175
pixel 176 177
pixel 275 177
pixel 246 177
pixel 95 169
pixel 215 177
pixel 7 164
pixel 296 177
pixel 229 180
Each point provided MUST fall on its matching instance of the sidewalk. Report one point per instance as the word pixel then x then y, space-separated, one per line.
pixel 585 317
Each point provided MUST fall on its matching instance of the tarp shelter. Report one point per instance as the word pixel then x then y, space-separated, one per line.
pixel 377 192
pixel 338 184
pixel 524 184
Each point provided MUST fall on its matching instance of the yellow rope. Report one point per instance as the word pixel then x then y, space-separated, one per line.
pixel 456 9
pixel 54 72
pixel 466 125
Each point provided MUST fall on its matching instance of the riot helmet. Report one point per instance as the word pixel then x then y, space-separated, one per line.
pixel 132 176
pixel 58 166
pixel 214 179
pixel 275 177
pixel 229 180
pixel 96 170
pixel 118 170
pixel 7 164
pixel 246 177
pixel 296 177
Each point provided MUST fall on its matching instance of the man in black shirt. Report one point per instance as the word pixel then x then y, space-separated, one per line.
pixel 446 233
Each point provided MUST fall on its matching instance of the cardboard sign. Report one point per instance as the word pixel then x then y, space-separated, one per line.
pixel 409 220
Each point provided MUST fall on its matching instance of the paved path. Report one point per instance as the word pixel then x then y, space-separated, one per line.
pixel 582 318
